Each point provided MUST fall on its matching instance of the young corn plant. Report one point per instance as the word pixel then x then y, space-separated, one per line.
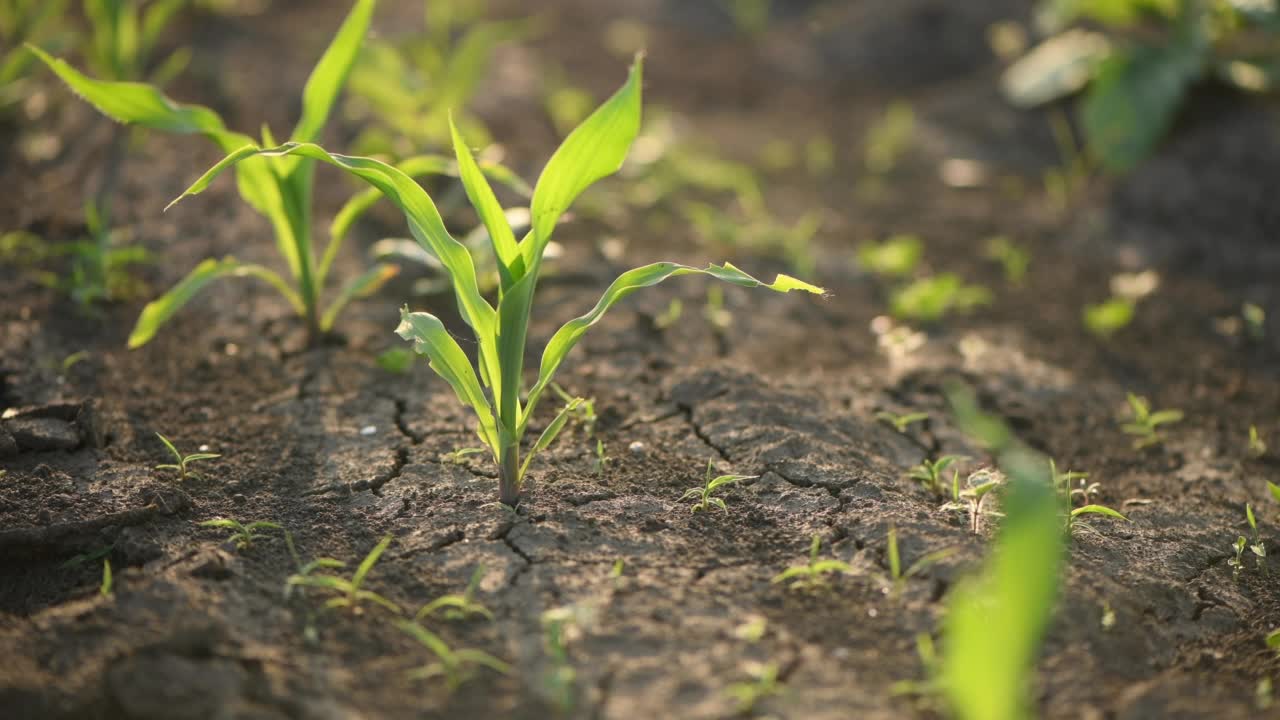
pixel 351 593
pixel 978 487
pixel 242 535
pixel 455 666
pixel 703 495
pixel 108 583
pixel 181 461
pixel 764 683
pixel 455 606
pixel 280 188
pixel 930 473
pixel 41 22
pixel 897 576
pixel 307 568
pixel 901 422
pixel 813 574
pixel 1072 486
pixel 1144 425
pixel 1257 446
pixel 592 151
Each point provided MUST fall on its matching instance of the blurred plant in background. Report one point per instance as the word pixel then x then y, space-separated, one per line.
pixel 1135 60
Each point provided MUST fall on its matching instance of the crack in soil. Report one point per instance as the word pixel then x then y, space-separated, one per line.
pixel 687 411
pixel 403 425
pixel 504 534
pixel 397 467
pixel 833 490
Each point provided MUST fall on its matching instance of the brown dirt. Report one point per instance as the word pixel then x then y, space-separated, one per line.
pixel 196 629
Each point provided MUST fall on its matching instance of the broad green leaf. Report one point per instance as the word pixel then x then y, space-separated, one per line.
pixel 1132 101
pixel 361 286
pixel 595 149
pixel 331 72
pixel 510 261
pixel 159 311
pixel 571 332
pixel 136 103
pixel 1097 510
pixel 430 338
pixel 987 675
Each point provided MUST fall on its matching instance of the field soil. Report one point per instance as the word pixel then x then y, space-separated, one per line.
pixel 1151 622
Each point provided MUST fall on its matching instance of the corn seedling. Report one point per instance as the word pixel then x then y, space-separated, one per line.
pixel 242 535
pixel 280 188
pixel 901 422
pixel 455 606
pixel 971 498
pixel 123 36
pixel 1013 258
pixel 1109 317
pixel 396 360
pixel 455 666
pixel 889 138
pixel 39 22
pixel 458 456
pixel 985 675
pixel 107 585
pixel 1072 486
pixel 560 627
pixel 406 88
pixel 1257 446
pixel 1275 490
pixel 752 630
pixel 896 257
pixel 930 474
pixel 1273 640
pixel 764 683
pixel 1258 549
pixel 811 575
pixel 305 569
pixel 584 412
pixel 1255 321
pixel 1144 424
pixel 897 576
pixel 181 461
pixel 595 149
pixel 601 460
pixel 668 317
pixel 703 494
pixel 351 593
pixel 927 691
pixel 930 299
pixel 1237 563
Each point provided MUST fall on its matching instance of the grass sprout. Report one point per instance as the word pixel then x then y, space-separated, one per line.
pixel 242 535
pixel 494 389
pixel 931 473
pixel 1144 424
pixel 350 593
pixel 901 422
pixel 182 460
pixel 108 583
pixel 703 495
pixel 896 257
pixel 811 575
pixel 932 298
pixel 897 576
pixel 455 666
pixel 458 606
pixel 1257 446
pixel 763 683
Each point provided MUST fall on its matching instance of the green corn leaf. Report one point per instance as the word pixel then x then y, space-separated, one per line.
pixel 548 435
pixel 136 103
pixel 169 445
pixel 331 72
pixel 159 311
pixel 324 582
pixel 430 338
pixel 369 561
pixel 155 18
pixel 374 597
pixel 361 202
pixel 1275 490
pixel 223 523
pixel 571 332
pixel 428 639
pixel 595 149
pixel 1097 510
pixel 363 285
pixel 265 525
pixel 479 657
pixel 510 261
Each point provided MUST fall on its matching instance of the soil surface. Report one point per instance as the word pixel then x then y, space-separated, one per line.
pixel 1151 623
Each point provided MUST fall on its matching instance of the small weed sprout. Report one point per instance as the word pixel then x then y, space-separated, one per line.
pixel 455 666
pixel 458 456
pixel 584 412
pixel 764 683
pixel 930 299
pixel 1237 563
pixel 703 494
pixel 1257 446
pixel 668 317
pixel 901 422
pixel 1258 549
pixel 305 569
pixel 455 606
pixel 1144 425
pixel 811 575
pixel 889 138
pixel 1109 317
pixel 978 486
pixel 494 388
pixel 351 593
pixel 602 460
pixel 107 586
pixel 182 461
pixel 560 627
pixel 1255 321
pixel 898 578
pixel 752 630
pixel 896 257
pixel 1013 259
pixel 1069 491
pixel 930 473
pixel 1275 490
pixel 1273 640
pixel 242 535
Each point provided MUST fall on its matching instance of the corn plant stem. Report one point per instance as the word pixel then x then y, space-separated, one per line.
pixel 102 201
pixel 509 481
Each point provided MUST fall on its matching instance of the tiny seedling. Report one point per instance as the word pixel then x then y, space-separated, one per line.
pixel 897 576
pixel 1237 563
pixel 41 22
pixel 812 574
pixel 242 535
pixel 560 627
pixel 703 494
pixel 929 473
pixel 105 589
pixel 616 571
pixel 894 258
pixel 182 461
pixel 717 315
pixel 602 459
pixel 1109 317
pixel 978 487
pixel 455 606
pixel 495 393
pixel 668 317
pixel 1144 425
pixel 397 360
pixel 901 422
pixel 583 413
pixel 1257 446
pixel 458 456
pixel 1255 321
pixel 764 683
pixel 889 138
pixel 455 666
pixel 123 36
pixel 305 569
pixel 1075 485
pixel 351 593
pixel 752 630
pixel 1258 549
pixel 1275 490
pixel 1273 640
pixel 280 188
pixel 1013 258
pixel 930 299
